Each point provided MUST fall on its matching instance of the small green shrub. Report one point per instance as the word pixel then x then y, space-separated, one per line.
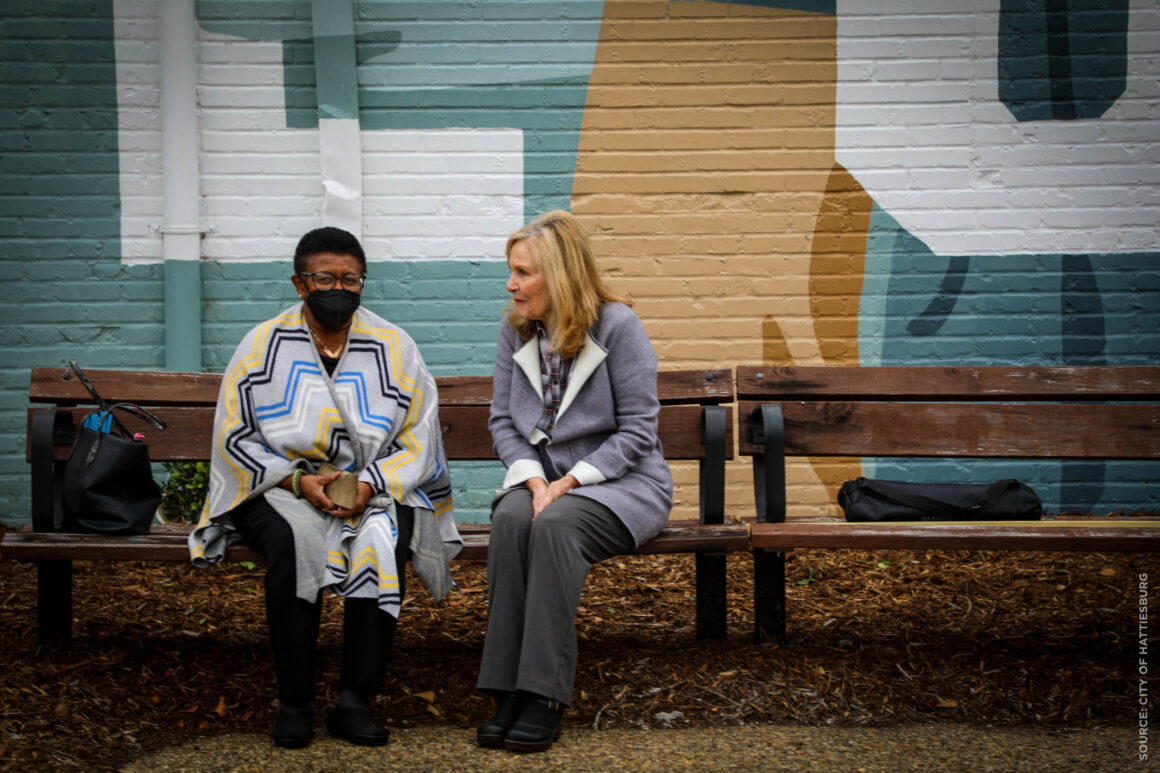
pixel 183 494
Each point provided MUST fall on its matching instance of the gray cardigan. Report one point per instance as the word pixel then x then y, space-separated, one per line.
pixel 606 427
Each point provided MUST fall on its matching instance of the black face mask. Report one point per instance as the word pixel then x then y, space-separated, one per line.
pixel 333 308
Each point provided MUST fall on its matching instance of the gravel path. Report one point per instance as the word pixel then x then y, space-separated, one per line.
pixel 939 747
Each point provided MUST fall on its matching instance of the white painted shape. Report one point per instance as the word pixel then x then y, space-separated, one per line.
pixel 436 194
pixel 341 150
pixel 914 131
pixel 442 194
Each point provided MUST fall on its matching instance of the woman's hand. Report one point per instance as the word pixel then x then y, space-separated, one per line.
pixel 544 493
pixel 313 488
pixel 364 494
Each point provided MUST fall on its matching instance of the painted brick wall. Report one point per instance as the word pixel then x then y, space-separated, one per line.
pixel 741 166
pixel 66 293
pixel 711 168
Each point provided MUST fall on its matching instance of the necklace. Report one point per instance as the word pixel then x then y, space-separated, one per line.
pixel 333 354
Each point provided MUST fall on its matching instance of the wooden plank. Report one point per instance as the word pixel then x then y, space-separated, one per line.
pixel 679 430
pixel 1048 430
pixel 60 386
pixel 705 387
pixel 189 434
pixel 464 390
pixel 1029 535
pixel 761 382
pixel 168 544
pixel 696 537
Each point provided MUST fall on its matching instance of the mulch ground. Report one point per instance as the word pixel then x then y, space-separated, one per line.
pixel 164 653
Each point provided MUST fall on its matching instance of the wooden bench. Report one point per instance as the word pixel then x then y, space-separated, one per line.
pixel 695 424
pixel 991 412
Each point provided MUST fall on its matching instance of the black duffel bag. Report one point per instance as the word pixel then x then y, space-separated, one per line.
pixel 887 500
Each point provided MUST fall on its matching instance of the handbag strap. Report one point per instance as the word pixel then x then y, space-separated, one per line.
pixel 131 408
pixel 144 414
pixel 933 506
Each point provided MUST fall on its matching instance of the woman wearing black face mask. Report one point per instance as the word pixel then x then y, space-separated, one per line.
pixel 330 383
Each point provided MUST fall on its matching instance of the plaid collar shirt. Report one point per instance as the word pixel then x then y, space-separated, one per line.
pixel 554 373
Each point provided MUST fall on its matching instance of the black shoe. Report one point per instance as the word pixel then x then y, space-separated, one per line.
pixel 294 728
pixel 491 733
pixel 357 724
pixel 537 727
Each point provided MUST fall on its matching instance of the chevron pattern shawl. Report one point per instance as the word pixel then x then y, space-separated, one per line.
pixel 278 410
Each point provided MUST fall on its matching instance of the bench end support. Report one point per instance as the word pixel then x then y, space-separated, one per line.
pixel 768 595
pixel 53 600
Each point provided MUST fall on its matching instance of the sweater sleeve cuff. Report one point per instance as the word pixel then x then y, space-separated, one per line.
pixel 586 474
pixel 522 470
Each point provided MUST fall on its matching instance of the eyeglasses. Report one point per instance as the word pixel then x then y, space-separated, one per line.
pixel 325 281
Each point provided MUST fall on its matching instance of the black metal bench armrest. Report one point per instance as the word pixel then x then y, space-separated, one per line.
pixel 49 428
pixel 769 467
pixel 712 467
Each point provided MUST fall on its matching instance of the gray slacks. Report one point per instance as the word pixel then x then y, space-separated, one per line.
pixel 535 572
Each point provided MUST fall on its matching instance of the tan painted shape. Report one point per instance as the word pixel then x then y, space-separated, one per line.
pixel 838 266
pixel 705 155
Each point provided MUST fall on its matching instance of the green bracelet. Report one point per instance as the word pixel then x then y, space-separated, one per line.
pixel 294 482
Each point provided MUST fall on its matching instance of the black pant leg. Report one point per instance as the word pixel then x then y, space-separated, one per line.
pixel 292 622
pixel 367 630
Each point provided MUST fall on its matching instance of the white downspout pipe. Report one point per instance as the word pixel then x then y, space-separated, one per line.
pixel 181 185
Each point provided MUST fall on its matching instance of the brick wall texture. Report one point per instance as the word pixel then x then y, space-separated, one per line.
pixel 811 182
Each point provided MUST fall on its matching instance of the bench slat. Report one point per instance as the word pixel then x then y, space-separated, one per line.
pixel 760 382
pixel 168 544
pixel 189 434
pixel 61 387
pixel 1047 430
pixel 1112 536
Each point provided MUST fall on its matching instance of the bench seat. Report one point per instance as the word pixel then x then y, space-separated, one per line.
pixel 168 544
pixel 1096 535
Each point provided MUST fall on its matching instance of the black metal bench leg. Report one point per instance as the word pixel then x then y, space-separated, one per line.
pixel 711 604
pixel 769 595
pixel 711 582
pixel 53 600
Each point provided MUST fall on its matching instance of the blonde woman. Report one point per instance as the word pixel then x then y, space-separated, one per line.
pixel 574 420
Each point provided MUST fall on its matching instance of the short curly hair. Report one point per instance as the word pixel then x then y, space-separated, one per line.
pixel 328 239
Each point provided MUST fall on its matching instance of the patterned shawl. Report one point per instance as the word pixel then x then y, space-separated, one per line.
pixel 278 410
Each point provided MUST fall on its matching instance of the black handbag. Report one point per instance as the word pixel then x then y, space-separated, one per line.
pixel 886 500
pixel 108 481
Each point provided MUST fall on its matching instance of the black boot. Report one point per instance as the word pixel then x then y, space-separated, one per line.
pixel 537 727
pixel 354 721
pixel 294 727
pixel 491 733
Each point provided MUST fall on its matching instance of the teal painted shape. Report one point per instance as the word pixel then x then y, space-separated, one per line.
pixel 1013 310
pixel 182 294
pixel 828 7
pixel 66 293
pixel 880 237
pixel 1062 59
pixel 335 66
pixel 445 65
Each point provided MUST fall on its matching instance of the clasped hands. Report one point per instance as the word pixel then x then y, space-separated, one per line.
pixel 313 488
pixel 544 493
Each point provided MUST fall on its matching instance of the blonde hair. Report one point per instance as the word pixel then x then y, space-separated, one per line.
pixel 559 245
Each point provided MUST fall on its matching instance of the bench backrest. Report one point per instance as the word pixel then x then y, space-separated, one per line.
pixel 1044 412
pixel 186 402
